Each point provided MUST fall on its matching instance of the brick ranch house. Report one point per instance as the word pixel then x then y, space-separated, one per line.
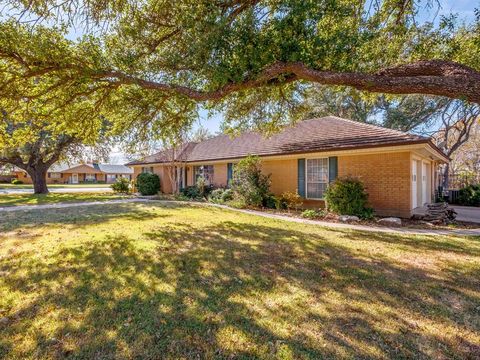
pixel 399 170
pixel 80 173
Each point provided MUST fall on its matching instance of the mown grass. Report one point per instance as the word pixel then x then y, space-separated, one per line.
pixel 55 186
pixel 171 281
pixel 55 198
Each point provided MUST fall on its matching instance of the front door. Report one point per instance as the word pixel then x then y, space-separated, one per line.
pixel 74 178
pixel 424 184
pixel 414 184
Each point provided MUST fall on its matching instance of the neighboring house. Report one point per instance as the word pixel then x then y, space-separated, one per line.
pixel 63 173
pixel 399 170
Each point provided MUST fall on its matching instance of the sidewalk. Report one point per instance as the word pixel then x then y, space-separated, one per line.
pixel 457 232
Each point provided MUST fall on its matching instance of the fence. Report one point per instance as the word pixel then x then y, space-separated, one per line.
pixel 458 181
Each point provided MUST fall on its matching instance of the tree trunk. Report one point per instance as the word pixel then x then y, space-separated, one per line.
pixel 39 179
pixel 445 174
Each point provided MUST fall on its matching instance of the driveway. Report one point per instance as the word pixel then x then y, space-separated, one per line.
pixel 467 213
pixel 86 189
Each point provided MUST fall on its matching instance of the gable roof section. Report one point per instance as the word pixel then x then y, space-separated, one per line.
pixel 314 135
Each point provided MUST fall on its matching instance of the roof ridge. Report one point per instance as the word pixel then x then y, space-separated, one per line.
pixel 372 125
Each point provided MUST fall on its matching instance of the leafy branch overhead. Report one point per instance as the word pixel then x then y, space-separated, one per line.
pixel 182 53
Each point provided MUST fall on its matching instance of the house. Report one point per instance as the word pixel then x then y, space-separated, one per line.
pixel 63 173
pixel 399 170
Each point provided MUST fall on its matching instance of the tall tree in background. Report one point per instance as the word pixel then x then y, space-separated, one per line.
pixel 34 136
pixel 251 59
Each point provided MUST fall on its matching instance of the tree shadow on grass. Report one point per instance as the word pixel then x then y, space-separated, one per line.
pixel 237 290
pixel 81 215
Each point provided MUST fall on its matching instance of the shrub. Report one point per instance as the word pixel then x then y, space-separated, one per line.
pixel 347 196
pixel 292 200
pixel 270 201
pixel 248 182
pixel 191 192
pixel 17 182
pixel 469 195
pixel 313 214
pixel 220 196
pixel 148 184
pixel 121 185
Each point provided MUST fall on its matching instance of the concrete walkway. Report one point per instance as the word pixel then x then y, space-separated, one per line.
pixel 332 225
pixel 467 213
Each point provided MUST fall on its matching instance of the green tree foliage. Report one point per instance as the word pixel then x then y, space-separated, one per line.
pixel 38 131
pixel 347 196
pixel 148 184
pixel 248 182
pixel 253 60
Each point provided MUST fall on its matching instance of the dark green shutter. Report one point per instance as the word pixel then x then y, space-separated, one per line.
pixel 301 177
pixel 229 173
pixel 332 168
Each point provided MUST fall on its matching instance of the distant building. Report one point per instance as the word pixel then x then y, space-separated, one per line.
pixel 63 173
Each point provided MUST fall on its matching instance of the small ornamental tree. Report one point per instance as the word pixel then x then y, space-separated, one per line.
pixel 248 182
pixel 347 196
pixel 148 184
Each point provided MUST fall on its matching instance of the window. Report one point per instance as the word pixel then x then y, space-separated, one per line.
pixel 111 177
pixel 206 172
pixel 54 175
pixel 90 177
pixel 147 169
pixel 317 177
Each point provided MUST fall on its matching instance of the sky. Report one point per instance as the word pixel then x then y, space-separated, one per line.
pixel 464 9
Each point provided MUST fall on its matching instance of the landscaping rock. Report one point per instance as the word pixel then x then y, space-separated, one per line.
pixel 390 221
pixel 4 321
pixel 348 218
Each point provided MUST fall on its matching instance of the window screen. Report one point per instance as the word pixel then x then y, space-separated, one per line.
pixel 317 177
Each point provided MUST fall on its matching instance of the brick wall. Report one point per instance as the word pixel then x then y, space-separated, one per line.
pixel 283 174
pixel 386 178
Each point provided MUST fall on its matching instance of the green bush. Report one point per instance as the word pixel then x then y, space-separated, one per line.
pixel 313 214
pixel 220 196
pixel 248 182
pixel 17 182
pixel 292 200
pixel 121 185
pixel 469 195
pixel 347 196
pixel 270 201
pixel 148 184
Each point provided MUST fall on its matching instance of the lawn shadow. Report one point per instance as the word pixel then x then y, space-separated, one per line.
pixel 214 291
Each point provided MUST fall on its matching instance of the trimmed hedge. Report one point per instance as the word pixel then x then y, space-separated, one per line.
pixel 148 184
pixel 347 196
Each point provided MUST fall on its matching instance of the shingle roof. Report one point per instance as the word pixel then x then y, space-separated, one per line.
pixel 114 169
pixel 314 135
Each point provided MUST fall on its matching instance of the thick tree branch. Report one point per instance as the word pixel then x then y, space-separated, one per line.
pixel 430 77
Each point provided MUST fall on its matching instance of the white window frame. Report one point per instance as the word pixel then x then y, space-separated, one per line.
pixel 55 175
pixel 89 177
pixel 306 175
pixel 208 182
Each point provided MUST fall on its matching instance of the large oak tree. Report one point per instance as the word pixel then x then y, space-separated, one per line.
pixel 251 59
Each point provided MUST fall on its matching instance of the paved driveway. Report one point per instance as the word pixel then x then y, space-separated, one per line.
pixel 86 189
pixel 467 213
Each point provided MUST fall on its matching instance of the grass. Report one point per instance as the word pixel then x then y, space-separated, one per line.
pixel 55 198
pixel 55 186
pixel 171 281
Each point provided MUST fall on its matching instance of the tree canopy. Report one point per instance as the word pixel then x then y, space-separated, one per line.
pixel 155 61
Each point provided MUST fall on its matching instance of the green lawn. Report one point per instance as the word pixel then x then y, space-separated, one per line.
pixel 54 198
pixel 152 281
pixel 56 186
